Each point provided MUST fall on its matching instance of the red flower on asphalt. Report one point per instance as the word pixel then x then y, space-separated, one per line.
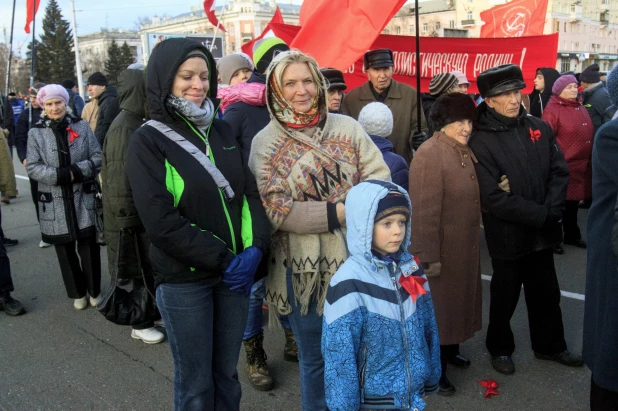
pixel 72 134
pixel 491 386
pixel 535 135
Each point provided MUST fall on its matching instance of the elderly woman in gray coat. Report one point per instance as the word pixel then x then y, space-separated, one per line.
pixel 64 156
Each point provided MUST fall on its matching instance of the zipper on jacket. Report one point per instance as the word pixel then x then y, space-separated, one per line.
pixel 212 158
pixel 362 374
pixel 405 332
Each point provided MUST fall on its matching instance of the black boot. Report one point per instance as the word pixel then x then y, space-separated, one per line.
pixel 11 306
pixel 446 388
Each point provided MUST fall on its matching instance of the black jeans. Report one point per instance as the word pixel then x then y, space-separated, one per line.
pixel 538 275
pixel 447 352
pixel 6 282
pixel 602 399
pixel 80 277
pixel 34 189
pixel 569 222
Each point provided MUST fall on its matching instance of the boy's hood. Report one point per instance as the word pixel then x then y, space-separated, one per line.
pixel 361 206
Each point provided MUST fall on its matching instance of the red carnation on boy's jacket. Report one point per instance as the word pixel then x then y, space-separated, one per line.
pixel 491 386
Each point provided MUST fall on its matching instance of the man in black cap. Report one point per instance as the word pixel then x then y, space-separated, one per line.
pixel 595 97
pixel 336 86
pixel 103 107
pixel 400 98
pixel 521 222
pixel 75 101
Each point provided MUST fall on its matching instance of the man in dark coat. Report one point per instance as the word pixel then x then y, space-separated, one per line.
pixel 595 97
pixel 7 303
pixel 109 108
pixel 400 98
pixel 521 225
pixel 76 102
pixel 120 218
pixel 336 87
pixel 601 309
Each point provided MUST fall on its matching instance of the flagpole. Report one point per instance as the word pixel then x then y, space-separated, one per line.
pixel 418 68
pixel 8 64
pixel 212 43
pixel 78 63
pixel 32 58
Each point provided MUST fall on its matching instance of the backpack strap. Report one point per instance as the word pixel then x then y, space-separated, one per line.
pixel 190 148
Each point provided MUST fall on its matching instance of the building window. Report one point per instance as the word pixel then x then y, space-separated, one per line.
pixel 437 25
pixel 470 16
pixel 424 27
pixel 397 30
pixel 451 24
pixel 247 28
pixel 412 29
pixel 565 64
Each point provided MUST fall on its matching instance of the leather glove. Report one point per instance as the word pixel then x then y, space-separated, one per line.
pixel 504 184
pixel 239 274
pixel 432 269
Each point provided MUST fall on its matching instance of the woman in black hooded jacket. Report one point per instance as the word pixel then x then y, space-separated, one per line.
pixel 202 212
pixel 543 82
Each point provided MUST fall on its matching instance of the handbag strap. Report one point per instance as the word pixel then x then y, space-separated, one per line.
pixel 113 283
pixel 202 158
pixel 139 264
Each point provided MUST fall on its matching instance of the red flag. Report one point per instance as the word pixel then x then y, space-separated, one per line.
pixel 322 19
pixel 247 48
pixel 30 14
pixel 209 9
pixel 515 19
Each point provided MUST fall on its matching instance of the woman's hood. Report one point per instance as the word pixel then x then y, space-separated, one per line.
pixel 361 206
pixel 322 107
pixel 163 64
pixel 132 91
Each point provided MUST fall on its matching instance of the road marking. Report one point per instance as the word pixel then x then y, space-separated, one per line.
pixel 566 294
pixel 21 177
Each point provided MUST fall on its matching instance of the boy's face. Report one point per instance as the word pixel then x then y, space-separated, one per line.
pixel 389 233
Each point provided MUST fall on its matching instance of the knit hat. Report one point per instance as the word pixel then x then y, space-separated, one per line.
pixel 393 203
pixel 35 88
pixel 265 50
pixel 452 107
pixel 442 83
pixel 52 91
pixel 612 85
pixel 230 64
pixel 195 53
pixel 97 79
pixel 562 82
pixel 68 84
pixel 461 77
pixel 590 74
pixel 376 119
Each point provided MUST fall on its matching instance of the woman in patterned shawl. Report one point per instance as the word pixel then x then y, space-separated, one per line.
pixel 305 161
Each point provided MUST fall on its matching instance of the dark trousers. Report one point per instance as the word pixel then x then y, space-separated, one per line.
pixel 602 399
pixel 447 352
pixel 34 189
pixel 80 277
pixel 569 222
pixel 6 282
pixel 538 275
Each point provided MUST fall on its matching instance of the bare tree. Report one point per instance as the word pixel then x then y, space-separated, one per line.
pixel 142 20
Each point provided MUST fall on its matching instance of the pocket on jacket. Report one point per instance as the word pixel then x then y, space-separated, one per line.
pixel 45 202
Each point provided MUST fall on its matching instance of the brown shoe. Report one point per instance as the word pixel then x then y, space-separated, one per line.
pixel 5 200
pixel 257 369
pixel 290 351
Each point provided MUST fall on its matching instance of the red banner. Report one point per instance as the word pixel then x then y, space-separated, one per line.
pixel 515 19
pixel 472 56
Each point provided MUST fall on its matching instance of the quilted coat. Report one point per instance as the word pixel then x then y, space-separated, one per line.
pixel 574 132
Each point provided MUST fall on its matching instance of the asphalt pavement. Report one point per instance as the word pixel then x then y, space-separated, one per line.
pixel 57 358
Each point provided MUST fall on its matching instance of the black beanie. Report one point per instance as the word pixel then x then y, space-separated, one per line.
pixel 97 79
pixel 590 74
pixel 68 84
pixel 393 203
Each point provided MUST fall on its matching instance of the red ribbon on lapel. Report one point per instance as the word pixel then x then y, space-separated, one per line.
pixel 413 285
pixel 72 134
pixel 535 135
pixel 491 386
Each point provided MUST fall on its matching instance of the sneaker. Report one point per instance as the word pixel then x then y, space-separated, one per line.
pixel 503 364
pixel 149 335
pixel 43 244
pixel 10 305
pixel 565 358
pixel 9 242
pixel 94 301
pixel 257 369
pixel 80 303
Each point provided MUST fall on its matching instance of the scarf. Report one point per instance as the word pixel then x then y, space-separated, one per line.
pixel 201 117
pixel 286 114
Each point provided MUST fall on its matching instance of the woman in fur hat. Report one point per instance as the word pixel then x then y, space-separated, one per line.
pixel 446 226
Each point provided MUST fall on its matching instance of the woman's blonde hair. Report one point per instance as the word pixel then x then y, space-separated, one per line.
pixel 284 59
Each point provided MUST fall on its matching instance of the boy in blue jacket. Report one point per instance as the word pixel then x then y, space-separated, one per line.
pixel 380 338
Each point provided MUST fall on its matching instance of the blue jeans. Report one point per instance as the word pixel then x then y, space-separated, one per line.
pixel 308 332
pixel 204 323
pixel 256 300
